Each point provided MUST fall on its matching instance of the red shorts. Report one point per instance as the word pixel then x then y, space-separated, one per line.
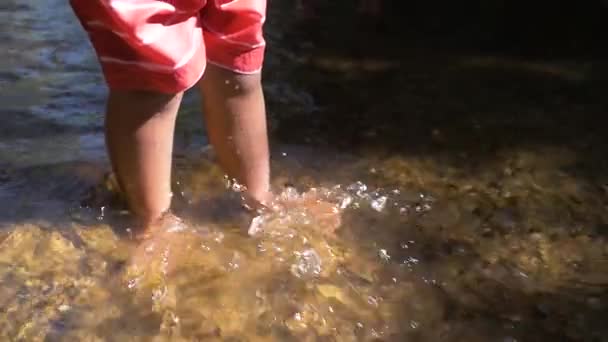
pixel 164 45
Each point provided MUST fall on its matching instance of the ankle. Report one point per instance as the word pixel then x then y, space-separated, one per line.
pixel 152 225
pixel 144 221
pixel 258 201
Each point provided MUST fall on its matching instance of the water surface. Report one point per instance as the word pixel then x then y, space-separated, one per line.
pixel 472 192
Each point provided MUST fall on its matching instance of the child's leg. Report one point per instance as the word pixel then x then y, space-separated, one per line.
pixel 139 136
pixel 147 49
pixel 235 115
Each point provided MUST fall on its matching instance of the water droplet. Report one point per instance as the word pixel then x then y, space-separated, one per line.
pixel 429 281
pixel 410 261
pixel 256 225
pixel 345 202
pixel 236 187
pixel 261 248
pixel 102 213
pixel 423 208
pixel 234 263
pixel 308 263
pixel 375 334
pixel 384 255
pixel 159 293
pixel 177 227
pixel 359 188
pixel 132 283
pixel 219 237
pixel 379 204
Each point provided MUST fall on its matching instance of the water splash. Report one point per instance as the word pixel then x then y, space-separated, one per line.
pixel 383 254
pixel 102 213
pixel 255 227
pixel 379 203
pixel 307 264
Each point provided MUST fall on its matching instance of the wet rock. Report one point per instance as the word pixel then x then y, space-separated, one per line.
pixel 331 291
pixel 505 219
pixel 102 240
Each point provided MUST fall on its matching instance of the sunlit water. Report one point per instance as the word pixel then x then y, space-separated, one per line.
pixel 422 250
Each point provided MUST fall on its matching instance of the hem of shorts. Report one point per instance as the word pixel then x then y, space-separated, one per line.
pixel 233 69
pixel 198 78
pixel 141 85
pixel 232 57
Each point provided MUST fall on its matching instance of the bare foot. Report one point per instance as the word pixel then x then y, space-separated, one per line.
pixel 258 203
pixel 325 214
pixel 168 223
pixel 159 247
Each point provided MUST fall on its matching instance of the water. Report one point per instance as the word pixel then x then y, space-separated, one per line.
pixel 495 235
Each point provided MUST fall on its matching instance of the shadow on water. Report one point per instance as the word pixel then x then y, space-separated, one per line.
pixel 469 102
pixel 424 88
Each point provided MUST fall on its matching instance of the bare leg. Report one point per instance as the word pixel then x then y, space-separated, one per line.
pixel 235 116
pixel 139 137
pixel 236 122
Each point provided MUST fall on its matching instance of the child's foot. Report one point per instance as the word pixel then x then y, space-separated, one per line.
pixel 167 223
pixel 259 203
pixel 325 214
pixel 159 247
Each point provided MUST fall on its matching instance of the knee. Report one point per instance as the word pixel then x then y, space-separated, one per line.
pixel 229 83
pixel 247 83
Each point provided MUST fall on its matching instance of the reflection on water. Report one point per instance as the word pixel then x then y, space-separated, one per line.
pixel 426 248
